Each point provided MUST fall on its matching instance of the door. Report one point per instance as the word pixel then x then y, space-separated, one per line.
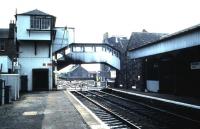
pixel 40 79
pixel 24 83
pixel 167 76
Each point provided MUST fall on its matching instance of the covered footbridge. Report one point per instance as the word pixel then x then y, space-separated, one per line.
pixel 79 53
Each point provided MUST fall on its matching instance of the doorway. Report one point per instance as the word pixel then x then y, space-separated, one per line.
pixel 40 79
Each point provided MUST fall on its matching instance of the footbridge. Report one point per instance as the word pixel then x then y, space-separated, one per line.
pixel 87 53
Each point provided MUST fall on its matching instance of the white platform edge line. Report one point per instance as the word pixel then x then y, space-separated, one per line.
pixel 88 110
pixel 161 99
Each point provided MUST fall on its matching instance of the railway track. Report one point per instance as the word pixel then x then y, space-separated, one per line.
pixel 143 116
pixel 112 97
pixel 112 119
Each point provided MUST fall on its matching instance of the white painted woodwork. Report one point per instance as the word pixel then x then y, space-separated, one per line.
pixel 6 63
pixel 23 23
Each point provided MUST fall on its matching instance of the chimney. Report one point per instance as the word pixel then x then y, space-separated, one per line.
pixel 11 29
pixel 144 30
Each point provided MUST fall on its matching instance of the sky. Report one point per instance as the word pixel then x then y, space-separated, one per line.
pixel 92 18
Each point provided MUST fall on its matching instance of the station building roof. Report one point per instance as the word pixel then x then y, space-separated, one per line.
pixel 139 39
pixel 36 12
pixel 4 33
pixel 165 37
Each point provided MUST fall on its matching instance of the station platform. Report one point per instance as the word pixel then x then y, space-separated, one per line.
pixel 48 110
pixel 185 107
pixel 179 100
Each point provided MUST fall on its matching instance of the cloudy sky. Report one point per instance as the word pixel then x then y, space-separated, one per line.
pixel 92 18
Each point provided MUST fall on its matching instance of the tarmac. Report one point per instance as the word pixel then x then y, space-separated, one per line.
pixel 48 110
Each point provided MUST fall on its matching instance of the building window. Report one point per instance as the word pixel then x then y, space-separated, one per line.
pixel 45 23
pixel 2 45
pixel 77 49
pixel 38 22
pixel 35 22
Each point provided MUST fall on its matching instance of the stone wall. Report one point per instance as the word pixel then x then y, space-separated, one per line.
pixel 136 74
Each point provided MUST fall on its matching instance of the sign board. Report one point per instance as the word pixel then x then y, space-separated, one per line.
pixel 113 74
pixel 195 65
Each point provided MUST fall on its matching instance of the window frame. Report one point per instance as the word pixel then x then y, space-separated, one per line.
pixel 40 22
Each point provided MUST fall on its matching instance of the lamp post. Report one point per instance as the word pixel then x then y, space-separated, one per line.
pixel 73 33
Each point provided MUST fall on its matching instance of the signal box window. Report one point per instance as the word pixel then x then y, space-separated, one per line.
pixel 40 22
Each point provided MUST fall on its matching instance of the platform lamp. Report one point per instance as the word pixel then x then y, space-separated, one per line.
pixel 73 33
pixel 66 28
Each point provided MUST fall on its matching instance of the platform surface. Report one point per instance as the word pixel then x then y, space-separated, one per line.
pixel 180 100
pixel 42 110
